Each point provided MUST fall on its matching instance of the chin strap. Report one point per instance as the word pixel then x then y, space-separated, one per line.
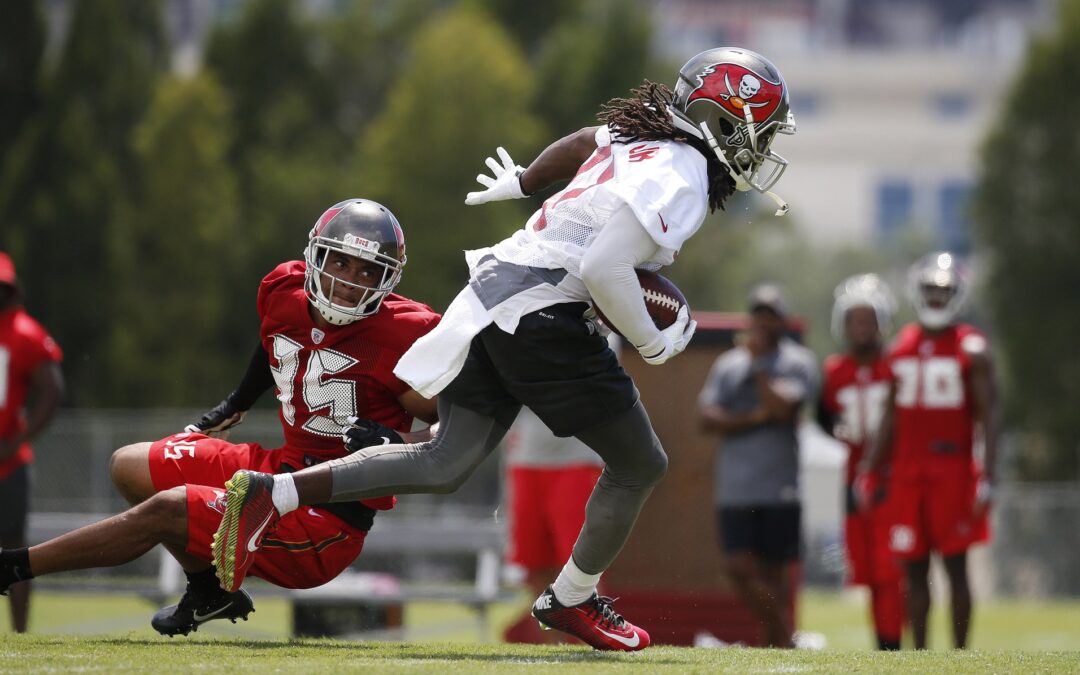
pixel 702 132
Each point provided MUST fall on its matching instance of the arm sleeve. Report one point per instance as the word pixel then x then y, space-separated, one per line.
pixel 607 268
pixel 256 381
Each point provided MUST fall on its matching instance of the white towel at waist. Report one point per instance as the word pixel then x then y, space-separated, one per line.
pixel 435 359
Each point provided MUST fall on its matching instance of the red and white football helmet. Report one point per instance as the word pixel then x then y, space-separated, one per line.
pixel 363 229
pixel 938 287
pixel 737 102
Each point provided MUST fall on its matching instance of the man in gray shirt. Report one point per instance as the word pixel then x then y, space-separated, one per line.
pixel 752 401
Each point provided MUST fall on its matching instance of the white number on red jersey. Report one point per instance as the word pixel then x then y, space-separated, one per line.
pixel 317 389
pixel 860 410
pixel 934 382
pixel 336 394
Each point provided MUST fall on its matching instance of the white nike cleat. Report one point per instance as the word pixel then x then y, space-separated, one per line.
pixel 593 622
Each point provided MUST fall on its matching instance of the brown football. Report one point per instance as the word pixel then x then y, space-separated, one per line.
pixel 662 298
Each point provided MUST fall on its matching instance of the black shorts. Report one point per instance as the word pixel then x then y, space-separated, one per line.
pixel 772 532
pixel 555 363
pixel 14 505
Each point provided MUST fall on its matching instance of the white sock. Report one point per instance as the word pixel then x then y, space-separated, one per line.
pixel 572 586
pixel 284 495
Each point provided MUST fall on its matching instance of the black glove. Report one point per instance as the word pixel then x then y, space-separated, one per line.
pixel 360 433
pixel 221 417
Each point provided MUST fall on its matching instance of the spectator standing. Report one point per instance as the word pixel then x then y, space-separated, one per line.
pixel 752 400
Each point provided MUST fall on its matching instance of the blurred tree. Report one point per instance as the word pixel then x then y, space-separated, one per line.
pixel 1027 214
pixel 174 257
pixel 529 23
pixel 22 48
pixel 287 151
pixel 72 167
pixel 595 54
pixel 465 90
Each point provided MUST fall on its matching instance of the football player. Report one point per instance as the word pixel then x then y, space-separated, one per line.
pixel 331 330
pixel 29 371
pixel 516 335
pixel 854 386
pixel 941 390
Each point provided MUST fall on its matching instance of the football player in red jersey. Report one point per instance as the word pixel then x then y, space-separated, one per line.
pixel 29 368
pixel 942 389
pixel 331 332
pixel 855 384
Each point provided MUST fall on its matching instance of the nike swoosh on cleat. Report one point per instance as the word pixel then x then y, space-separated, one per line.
pixel 252 543
pixel 385 440
pixel 624 640
pixel 211 615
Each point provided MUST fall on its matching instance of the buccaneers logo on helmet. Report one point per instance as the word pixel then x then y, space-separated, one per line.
pixel 734 87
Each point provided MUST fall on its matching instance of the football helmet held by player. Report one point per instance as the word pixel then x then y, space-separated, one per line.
pixel 737 102
pixel 363 229
pixel 938 288
pixel 863 290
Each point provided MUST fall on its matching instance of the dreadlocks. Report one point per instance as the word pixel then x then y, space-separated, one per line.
pixel 644 117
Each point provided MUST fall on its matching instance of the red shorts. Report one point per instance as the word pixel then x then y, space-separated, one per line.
pixel 866 538
pixel 547 509
pixel 308 547
pixel 935 512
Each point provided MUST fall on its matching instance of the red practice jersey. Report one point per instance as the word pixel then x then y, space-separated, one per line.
pixel 934 423
pixel 24 346
pixel 855 394
pixel 325 375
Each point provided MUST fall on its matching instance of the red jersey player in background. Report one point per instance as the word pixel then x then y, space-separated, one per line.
pixel 942 389
pixel 331 332
pixel 29 368
pixel 854 387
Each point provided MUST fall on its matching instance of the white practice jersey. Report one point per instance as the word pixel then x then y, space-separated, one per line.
pixel 665 183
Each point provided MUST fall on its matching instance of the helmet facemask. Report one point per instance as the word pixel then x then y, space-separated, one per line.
pixel 712 107
pixel 318 258
pixel 938 289
pixel 864 290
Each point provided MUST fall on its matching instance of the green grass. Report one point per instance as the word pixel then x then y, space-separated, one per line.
pixel 110 633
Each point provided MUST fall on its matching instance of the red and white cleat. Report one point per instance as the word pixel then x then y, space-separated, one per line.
pixel 593 622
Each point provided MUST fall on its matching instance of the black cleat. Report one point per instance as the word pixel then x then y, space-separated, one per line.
pixel 197 607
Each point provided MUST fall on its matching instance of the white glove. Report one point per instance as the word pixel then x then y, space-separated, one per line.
pixel 675 337
pixel 505 185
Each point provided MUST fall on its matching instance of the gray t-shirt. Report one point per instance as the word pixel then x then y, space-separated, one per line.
pixel 759 466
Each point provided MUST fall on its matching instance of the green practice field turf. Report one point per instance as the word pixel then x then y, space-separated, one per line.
pixel 107 634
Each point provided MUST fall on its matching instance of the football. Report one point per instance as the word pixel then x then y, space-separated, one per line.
pixel 663 300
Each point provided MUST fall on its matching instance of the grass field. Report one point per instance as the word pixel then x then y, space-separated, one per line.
pixel 107 634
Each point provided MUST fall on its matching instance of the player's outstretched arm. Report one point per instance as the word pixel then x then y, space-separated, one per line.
pixel 558 162
pixel 257 379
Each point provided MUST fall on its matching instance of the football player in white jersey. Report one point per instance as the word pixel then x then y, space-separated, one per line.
pixel 518 333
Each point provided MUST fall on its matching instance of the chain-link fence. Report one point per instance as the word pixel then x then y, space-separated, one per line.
pixel 1036 527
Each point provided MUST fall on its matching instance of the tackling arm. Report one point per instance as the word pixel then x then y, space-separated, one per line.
pixel 258 378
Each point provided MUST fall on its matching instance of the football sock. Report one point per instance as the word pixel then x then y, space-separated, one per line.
pixel 572 586
pixel 205 580
pixel 17 560
pixel 284 496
